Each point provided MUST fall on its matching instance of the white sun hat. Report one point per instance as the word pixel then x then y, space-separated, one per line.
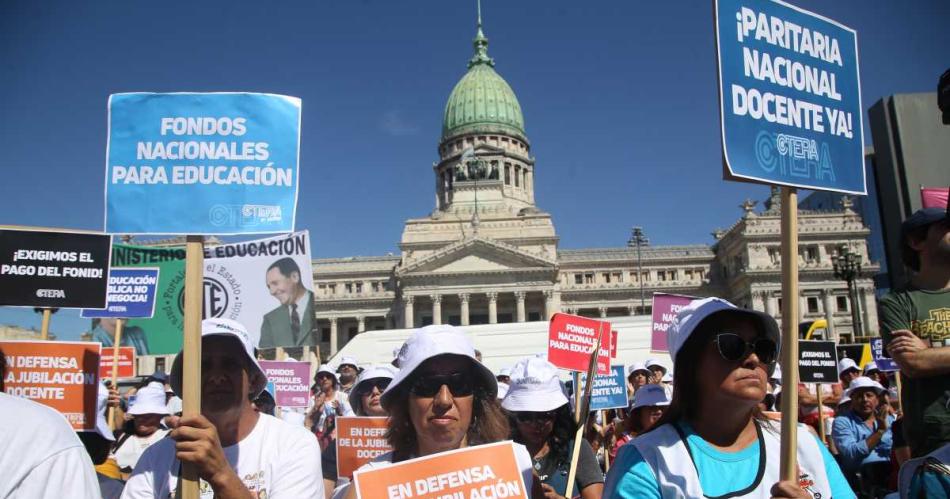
pixel 667 378
pixel 375 371
pixel 347 360
pixel 638 366
pixel 434 341
pixel 846 364
pixel 656 362
pixel 534 387
pixel 694 313
pixel 650 395
pixel 871 367
pixel 149 400
pixel 231 329
pixel 844 400
pixel 505 371
pixel 864 382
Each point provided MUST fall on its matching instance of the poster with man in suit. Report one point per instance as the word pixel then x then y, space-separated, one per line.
pixel 290 323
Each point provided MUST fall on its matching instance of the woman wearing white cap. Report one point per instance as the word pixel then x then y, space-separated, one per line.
pixel 638 375
pixel 328 403
pixel 712 441
pixel 541 420
pixel 441 399
pixel 648 406
pixel 147 412
pixel 657 370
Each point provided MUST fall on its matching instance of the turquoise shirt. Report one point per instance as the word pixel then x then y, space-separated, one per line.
pixel 720 473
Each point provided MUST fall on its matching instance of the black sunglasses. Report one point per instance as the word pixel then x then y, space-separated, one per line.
pixel 733 348
pixel 379 383
pixel 428 386
pixel 530 417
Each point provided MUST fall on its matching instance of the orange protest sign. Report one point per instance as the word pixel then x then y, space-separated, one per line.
pixel 358 440
pixel 126 363
pixel 473 472
pixel 61 374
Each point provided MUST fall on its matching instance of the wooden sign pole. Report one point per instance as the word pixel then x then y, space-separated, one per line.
pixel 789 459
pixel 115 369
pixel 44 327
pixel 191 349
pixel 581 415
pixel 603 416
pixel 821 417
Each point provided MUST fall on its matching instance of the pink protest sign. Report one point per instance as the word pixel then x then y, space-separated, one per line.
pixel 291 382
pixel 665 307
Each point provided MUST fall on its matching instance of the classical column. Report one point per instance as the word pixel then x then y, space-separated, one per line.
pixel 519 295
pixel 866 311
pixel 870 311
pixel 334 341
pixel 603 311
pixel 408 320
pixel 828 302
pixel 632 310
pixel 767 299
pixel 492 307
pixel 549 309
pixel 436 309
pixel 463 299
pixel 360 324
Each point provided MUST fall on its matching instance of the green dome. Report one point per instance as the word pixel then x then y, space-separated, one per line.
pixel 482 101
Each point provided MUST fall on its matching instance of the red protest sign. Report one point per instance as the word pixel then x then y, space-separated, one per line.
pixel 126 363
pixel 359 440
pixel 665 307
pixel 489 470
pixel 60 374
pixel 571 339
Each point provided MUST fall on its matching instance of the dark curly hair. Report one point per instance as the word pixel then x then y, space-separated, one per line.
pixel 488 425
pixel 564 429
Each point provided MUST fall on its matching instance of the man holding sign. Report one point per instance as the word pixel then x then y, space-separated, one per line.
pixel 237 451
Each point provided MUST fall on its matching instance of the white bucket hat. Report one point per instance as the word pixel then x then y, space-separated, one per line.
pixel 694 313
pixel 375 371
pixel 650 395
pixel 347 361
pixel 656 362
pixel 433 341
pixel 862 382
pixel 846 364
pixel 505 371
pixel 667 378
pixel 232 329
pixel 638 366
pixel 149 400
pixel 871 367
pixel 844 400
pixel 534 387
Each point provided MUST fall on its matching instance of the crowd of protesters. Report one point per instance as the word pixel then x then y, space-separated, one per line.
pixel 704 425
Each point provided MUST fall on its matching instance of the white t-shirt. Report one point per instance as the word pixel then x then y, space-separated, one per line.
pixel 132 448
pixel 276 460
pixel 40 454
pixel 521 457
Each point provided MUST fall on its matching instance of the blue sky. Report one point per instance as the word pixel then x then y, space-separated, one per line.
pixel 619 98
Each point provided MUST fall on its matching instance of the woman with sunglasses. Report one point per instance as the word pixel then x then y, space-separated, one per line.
pixel 441 399
pixel 541 420
pixel 364 399
pixel 713 441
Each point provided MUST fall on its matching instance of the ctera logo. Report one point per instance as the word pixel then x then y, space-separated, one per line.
pixel 794 156
pixel 215 300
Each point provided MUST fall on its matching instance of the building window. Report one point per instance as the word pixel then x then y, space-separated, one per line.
pixel 633 277
pixel 775 256
pixel 660 275
pixel 811 254
pixel 618 276
pixel 331 288
pixel 159 363
pixel 672 275
pixel 325 335
pixel 689 275
pixel 812 305
pixel 589 278
pixel 645 276
pixel 606 277
pixel 578 278
pixel 359 287
pixel 842 302
pixel 701 274
pixel 534 316
pixel 517 176
pixel 322 288
pixel 507 173
pixel 375 286
pixel 524 179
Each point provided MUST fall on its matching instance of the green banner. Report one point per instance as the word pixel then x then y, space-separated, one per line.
pixel 162 333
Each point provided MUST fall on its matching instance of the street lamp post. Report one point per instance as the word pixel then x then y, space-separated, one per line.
pixel 638 239
pixel 847 266
pixel 472 168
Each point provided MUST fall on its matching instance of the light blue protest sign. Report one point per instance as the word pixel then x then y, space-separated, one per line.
pixel 609 390
pixel 883 362
pixel 789 97
pixel 131 294
pixel 193 163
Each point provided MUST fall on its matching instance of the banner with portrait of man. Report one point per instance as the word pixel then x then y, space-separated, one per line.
pixel 265 284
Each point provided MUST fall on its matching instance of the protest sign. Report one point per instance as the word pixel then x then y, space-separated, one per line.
pixel 571 340
pixel 817 362
pixel 126 363
pixel 131 293
pixel 881 359
pixel 482 471
pixel 267 285
pixel 665 307
pixel 59 374
pixel 291 382
pixel 609 391
pixel 613 344
pixel 53 269
pixel 789 96
pixel 193 163
pixel 358 441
